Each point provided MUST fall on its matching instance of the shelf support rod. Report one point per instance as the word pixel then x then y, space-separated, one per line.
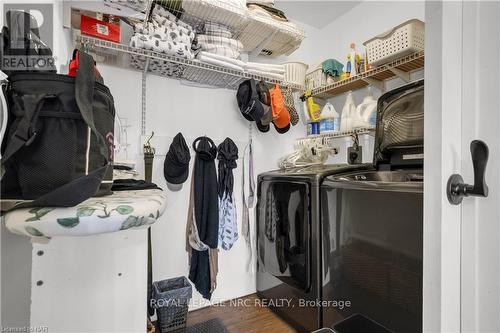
pixel 375 83
pixel 405 76
pixel 143 97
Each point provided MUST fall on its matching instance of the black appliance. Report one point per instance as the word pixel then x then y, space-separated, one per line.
pixel 343 244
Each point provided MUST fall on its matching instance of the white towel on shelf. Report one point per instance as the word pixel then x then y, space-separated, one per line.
pixel 233 61
pixel 276 76
pixel 217 29
pixel 220 50
pixel 218 62
pixel 273 68
pixel 222 41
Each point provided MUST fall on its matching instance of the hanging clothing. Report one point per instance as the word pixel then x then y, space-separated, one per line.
pixel 248 202
pixel 228 229
pixel 227 156
pixel 203 218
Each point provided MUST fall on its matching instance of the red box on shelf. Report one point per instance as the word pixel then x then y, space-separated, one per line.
pixel 103 30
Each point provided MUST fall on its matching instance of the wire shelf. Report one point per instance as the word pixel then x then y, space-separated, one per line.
pixel 124 56
pixel 398 67
pixel 257 33
pixel 324 139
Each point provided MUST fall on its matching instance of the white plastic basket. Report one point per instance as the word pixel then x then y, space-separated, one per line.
pixel 406 38
pixel 295 73
pixel 315 79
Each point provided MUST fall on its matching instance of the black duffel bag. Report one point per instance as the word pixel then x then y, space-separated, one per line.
pixel 58 150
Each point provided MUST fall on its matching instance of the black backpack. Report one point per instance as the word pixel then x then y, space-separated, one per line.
pixel 58 150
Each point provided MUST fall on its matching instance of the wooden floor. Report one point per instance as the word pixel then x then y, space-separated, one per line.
pixel 242 319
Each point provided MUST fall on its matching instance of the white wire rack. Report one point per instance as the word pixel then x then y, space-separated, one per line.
pixel 164 65
pixel 259 34
pixel 325 139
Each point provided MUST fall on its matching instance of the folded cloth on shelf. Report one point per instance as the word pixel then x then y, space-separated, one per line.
pixel 233 61
pixel 279 77
pixel 202 56
pixel 268 68
pixel 222 41
pixel 220 50
pixel 217 29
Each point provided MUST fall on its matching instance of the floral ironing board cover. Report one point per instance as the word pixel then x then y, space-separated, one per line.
pixel 119 211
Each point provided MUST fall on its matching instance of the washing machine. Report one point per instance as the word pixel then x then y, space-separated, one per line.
pixel 372 226
pixel 341 246
pixel 289 241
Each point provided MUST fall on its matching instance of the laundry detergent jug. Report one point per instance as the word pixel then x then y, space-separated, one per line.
pixel 330 119
pixel 348 112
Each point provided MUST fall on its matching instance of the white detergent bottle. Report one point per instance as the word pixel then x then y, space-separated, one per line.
pixel 347 113
pixel 366 112
pixel 330 119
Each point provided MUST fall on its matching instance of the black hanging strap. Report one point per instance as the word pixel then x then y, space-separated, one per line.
pixel 148 176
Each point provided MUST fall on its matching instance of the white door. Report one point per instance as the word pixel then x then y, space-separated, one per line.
pixel 462 242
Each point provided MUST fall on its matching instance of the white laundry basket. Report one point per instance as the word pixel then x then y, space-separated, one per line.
pixel 295 73
pixel 406 38
pixel 315 79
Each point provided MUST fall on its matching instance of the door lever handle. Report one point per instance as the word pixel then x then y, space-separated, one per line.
pixel 456 189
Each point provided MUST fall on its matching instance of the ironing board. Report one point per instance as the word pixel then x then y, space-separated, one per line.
pixel 121 210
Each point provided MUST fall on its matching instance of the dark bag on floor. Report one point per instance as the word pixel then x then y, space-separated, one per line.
pixel 58 150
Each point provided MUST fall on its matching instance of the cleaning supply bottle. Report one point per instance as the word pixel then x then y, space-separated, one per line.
pixel 314 109
pixel 347 113
pixel 330 119
pixel 305 110
pixel 353 62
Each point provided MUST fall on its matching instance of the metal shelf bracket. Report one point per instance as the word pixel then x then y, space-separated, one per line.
pixel 405 76
pixel 375 83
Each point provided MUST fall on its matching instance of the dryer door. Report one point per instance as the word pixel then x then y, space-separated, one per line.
pixel 283 231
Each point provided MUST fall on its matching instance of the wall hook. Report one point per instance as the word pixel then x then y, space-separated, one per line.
pixel 147 146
